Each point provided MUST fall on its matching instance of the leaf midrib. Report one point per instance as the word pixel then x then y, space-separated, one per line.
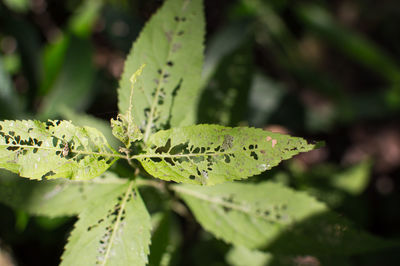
pixel 219 201
pixel 118 222
pixel 157 94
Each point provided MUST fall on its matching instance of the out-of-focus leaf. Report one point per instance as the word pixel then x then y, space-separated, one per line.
pixel 73 86
pixel 355 179
pixel 333 185
pixel 18 5
pixel 223 43
pixel 81 23
pixel 224 100
pixel 54 198
pixel 12 63
pixel 9 103
pixel 28 45
pixel 163 241
pixel 275 218
pixel 113 230
pixel 53 58
pixel 353 45
pixel 265 96
pixel 241 256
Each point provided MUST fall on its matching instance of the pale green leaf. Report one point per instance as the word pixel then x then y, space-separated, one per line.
pixel 18 5
pixel 171 46
pixel 212 154
pixel 54 198
pixel 275 218
pixel 53 149
pixel 124 127
pixel 83 119
pixel 125 131
pixel 113 230
pixel 241 256
pixel 354 179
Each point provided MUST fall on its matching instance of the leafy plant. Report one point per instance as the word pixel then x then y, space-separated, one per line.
pixel 155 124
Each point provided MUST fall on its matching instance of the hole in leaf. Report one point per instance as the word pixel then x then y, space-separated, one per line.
pixel 156 159
pixel 180 148
pixel 165 148
pixel 170 161
pixel 254 155
pixel 227 159
pixel 50 173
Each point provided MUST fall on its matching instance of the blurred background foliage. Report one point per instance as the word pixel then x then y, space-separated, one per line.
pixel 326 70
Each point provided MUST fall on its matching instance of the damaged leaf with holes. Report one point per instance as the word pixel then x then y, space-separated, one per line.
pixel 269 216
pixel 212 154
pixel 112 230
pixel 125 131
pixel 53 149
pixel 171 46
pixel 124 127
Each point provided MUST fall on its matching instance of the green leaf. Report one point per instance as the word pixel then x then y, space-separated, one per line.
pixel 264 99
pixel 113 230
pixel 18 5
pixel 171 45
pixel 160 239
pixel 225 99
pixel 124 128
pixel 72 85
pixel 353 180
pixel 10 106
pixel 212 154
pixel 53 149
pixel 84 18
pixel 83 119
pixel 54 197
pixel 275 218
pixel 241 256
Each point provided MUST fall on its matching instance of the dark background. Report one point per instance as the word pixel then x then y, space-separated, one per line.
pixel 324 70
